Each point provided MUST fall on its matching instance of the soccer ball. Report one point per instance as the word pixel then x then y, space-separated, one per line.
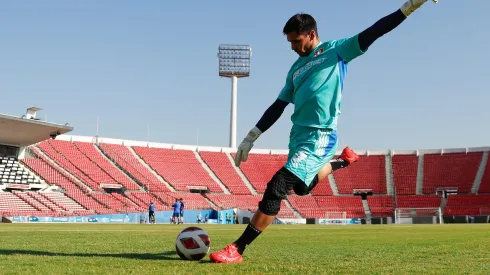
pixel 192 244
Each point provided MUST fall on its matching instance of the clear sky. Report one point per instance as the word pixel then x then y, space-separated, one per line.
pixel 137 63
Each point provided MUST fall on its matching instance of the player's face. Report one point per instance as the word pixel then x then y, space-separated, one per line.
pixel 303 43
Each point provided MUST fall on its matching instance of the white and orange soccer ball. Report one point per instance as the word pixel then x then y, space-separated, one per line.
pixel 192 243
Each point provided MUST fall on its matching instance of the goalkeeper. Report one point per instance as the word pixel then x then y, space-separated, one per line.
pixel 314 85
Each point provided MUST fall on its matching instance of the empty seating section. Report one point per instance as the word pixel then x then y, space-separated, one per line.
pixel 485 182
pixel 381 206
pixel 405 173
pixel 221 166
pixel 418 201
pixel 35 203
pixel 191 200
pixel 131 206
pixel 450 170
pixel 90 203
pixel 46 147
pixel 12 173
pixel 50 174
pixel 306 206
pixel 62 200
pixel 111 202
pixel 180 168
pixel 322 189
pixel 468 204
pixel 84 164
pixel 42 199
pixel 369 172
pixel 10 203
pixel 123 157
pixel 94 155
pixel 259 169
pixel 319 206
pixel 144 200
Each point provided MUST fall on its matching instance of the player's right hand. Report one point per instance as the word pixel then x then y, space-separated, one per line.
pixel 246 145
pixel 411 5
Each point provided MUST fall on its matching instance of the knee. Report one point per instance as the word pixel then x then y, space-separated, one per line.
pixel 276 191
pixel 301 189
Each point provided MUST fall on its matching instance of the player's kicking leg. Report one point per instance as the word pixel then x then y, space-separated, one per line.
pixel 277 189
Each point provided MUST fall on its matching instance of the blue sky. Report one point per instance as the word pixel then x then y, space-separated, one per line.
pixel 138 63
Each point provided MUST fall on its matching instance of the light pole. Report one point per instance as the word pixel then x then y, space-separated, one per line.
pixel 234 62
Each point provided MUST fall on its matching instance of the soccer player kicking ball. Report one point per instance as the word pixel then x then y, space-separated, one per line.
pixel 314 85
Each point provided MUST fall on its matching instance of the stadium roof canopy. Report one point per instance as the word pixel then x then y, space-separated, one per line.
pixel 21 131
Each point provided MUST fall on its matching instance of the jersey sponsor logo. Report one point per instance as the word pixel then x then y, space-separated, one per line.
pixel 308 66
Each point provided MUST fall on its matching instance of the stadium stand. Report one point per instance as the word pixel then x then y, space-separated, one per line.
pixel 485 182
pixel 405 174
pixel 468 204
pixel 450 170
pixel 259 168
pixel 381 206
pixel 125 160
pixel 60 159
pixel 12 172
pixel 10 203
pixel 91 152
pixel 79 176
pixel 368 173
pixel 180 168
pixel 221 166
pixel 418 201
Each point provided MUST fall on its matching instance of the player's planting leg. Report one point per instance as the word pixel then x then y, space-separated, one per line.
pixel 277 189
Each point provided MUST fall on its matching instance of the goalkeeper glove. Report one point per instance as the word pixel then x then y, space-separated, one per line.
pixel 246 146
pixel 411 5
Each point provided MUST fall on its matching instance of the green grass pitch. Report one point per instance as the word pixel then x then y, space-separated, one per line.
pixel 282 249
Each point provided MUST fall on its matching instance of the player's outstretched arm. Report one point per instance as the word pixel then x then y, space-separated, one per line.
pixel 270 116
pixel 388 23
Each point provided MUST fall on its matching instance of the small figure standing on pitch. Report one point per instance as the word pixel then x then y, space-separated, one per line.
pixel 151 212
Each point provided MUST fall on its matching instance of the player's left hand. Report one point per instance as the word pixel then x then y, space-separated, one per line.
pixel 246 146
pixel 411 5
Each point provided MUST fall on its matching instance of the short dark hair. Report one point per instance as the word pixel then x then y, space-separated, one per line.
pixel 300 23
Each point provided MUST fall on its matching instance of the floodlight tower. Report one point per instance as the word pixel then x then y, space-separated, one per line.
pixel 234 62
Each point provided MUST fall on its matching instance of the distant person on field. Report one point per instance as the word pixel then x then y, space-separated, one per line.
pixel 181 217
pixel 151 212
pixel 176 214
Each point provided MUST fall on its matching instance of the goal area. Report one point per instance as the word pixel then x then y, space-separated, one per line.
pixel 418 216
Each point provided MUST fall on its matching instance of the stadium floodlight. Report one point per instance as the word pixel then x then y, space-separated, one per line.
pixel 234 62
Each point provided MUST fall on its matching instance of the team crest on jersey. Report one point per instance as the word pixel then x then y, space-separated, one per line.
pixel 319 51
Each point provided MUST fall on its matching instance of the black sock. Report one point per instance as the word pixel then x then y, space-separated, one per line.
pixel 247 238
pixel 338 164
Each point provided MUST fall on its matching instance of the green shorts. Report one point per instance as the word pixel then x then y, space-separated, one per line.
pixel 309 150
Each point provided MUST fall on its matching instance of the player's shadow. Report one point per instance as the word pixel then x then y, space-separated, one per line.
pixel 168 255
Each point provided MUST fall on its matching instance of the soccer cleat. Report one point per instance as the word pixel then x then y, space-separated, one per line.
pixel 349 155
pixel 229 254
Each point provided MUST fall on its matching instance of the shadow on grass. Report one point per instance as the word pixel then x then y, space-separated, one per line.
pixel 169 255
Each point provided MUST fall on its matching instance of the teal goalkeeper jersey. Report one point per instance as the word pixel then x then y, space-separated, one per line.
pixel 314 83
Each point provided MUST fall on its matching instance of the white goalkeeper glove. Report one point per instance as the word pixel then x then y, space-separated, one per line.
pixel 246 146
pixel 411 5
